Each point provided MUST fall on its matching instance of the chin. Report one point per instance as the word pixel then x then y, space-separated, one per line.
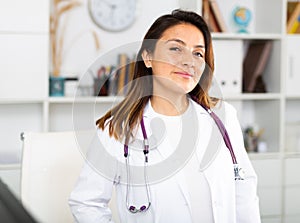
pixel 187 87
pixel 184 89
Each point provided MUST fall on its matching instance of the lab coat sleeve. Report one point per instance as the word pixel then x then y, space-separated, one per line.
pixel 247 202
pixel 92 192
pixel 90 197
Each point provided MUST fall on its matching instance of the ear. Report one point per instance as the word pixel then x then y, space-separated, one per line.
pixel 147 58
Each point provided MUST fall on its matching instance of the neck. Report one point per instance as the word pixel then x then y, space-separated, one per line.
pixel 169 107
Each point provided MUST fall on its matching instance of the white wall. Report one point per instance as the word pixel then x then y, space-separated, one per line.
pixel 80 49
pixel 24 44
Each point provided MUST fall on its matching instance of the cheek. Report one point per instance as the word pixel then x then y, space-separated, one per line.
pixel 163 63
pixel 162 68
pixel 202 66
pixel 200 69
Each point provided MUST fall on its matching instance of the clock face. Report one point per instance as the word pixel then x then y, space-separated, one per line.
pixel 113 15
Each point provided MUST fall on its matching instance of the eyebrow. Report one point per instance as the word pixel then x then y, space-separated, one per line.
pixel 183 43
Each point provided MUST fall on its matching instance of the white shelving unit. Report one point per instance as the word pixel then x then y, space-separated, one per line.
pixel 25 105
pixel 276 111
pixel 24 44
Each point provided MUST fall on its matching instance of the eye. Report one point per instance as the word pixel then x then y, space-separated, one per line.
pixel 175 48
pixel 198 54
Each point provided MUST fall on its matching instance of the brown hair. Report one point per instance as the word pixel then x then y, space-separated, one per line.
pixel 126 115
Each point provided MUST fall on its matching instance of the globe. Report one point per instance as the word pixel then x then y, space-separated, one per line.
pixel 242 18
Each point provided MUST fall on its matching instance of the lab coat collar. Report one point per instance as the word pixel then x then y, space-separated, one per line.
pixel 150 113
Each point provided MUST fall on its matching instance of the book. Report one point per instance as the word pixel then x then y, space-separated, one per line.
pixel 295 26
pixel 254 65
pixel 205 11
pixel 127 75
pixel 293 17
pixel 209 17
pixel 298 26
pixel 218 15
pixel 131 68
pixel 213 23
pixel 122 61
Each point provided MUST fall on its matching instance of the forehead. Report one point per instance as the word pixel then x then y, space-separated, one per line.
pixel 187 32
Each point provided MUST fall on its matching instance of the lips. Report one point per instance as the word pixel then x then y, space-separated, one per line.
pixel 184 74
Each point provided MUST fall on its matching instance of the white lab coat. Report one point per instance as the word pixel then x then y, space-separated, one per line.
pixel 232 201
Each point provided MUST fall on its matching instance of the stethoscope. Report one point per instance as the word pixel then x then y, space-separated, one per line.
pixel 238 172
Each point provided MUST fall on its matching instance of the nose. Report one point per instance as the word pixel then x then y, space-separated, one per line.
pixel 187 59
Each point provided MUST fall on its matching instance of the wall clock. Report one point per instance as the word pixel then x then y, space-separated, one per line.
pixel 113 15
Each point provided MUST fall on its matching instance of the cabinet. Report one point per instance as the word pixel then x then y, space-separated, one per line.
pixel 24 44
pixel 25 105
pixel 276 111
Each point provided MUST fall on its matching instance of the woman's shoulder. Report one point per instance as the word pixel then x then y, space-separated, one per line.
pixel 104 134
pixel 229 107
pixel 220 107
pixel 108 142
pixel 226 107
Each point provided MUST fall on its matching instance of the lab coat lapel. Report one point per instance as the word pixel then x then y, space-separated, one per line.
pixel 216 165
pixel 210 137
pixel 180 178
pixel 205 122
pixel 148 115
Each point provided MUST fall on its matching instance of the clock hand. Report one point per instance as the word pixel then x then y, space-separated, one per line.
pixel 112 11
pixel 113 7
pixel 110 5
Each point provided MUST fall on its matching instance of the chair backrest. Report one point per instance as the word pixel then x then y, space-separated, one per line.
pixel 51 163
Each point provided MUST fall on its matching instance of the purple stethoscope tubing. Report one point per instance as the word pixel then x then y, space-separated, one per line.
pixel 237 170
pixel 224 133
pixel 143 208
pixel 218 122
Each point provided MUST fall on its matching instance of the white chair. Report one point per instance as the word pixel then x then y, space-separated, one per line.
pixel 51 163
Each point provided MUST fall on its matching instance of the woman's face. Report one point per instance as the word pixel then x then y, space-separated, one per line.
pixel 178 59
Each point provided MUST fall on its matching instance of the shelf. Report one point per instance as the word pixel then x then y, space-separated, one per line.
pixel 292 154
pixel 111 99
pixel 292 97
pixel 264 156
pixel 68 100
pixel 293 35
pixel 245 36
pixel 253 96
pixel 21 100
pixel 15 166
pixel 23 32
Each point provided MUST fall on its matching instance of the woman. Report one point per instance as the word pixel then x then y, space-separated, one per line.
pixel 182 171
